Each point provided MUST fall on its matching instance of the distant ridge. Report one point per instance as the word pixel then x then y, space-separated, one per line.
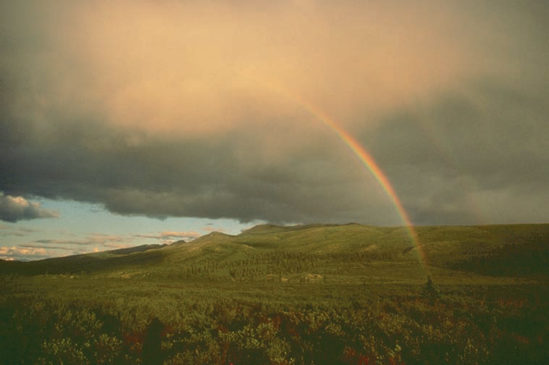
pixel 263 228
pixel 495 250
pixel 178 243
pixel 270 228
pixel 142 248
pixel 212 236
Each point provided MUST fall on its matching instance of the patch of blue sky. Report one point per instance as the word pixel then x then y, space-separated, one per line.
pixel 84 227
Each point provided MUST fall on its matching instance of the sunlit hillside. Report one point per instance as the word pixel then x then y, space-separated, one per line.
pixel 334 252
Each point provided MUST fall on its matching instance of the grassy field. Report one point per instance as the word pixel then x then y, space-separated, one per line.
pixel 318 294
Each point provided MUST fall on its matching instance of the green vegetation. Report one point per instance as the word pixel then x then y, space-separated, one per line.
pixel 320 294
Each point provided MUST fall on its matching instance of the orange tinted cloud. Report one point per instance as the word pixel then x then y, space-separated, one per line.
pixel 176 66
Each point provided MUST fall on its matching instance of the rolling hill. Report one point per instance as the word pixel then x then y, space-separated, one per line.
pixel 335 251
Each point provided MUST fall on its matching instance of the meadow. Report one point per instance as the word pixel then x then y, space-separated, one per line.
pixel 319 294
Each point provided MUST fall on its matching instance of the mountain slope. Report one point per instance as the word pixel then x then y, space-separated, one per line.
pixel 324 250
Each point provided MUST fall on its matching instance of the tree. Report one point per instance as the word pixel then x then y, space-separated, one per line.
pixel 430 291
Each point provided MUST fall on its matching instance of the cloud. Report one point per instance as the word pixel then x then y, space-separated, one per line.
pixel 94 242
pixel 46 247
pixel 210 66
pixel 70 247
pixel 9 230
pixel 92 239
pixel 64 242
pixel 13 209
pixel 484 141
pixel 179 108
pixel 211 228
pixel 170 236
pixel 23 253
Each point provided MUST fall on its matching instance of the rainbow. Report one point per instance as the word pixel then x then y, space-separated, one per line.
pixel 360 152
pixel 368 161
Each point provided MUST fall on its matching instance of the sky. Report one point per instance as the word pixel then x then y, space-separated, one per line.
pixel 139 122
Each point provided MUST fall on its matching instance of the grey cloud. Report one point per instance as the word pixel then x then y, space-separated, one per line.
pixel 488 139
pixel 440 157
pixel 13 209
pixel 64 242
pixel 451 157
pixel 231 176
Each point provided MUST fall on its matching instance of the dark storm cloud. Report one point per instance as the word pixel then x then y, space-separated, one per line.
pixel 117 105
pixel 447 157
pixel 164 177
